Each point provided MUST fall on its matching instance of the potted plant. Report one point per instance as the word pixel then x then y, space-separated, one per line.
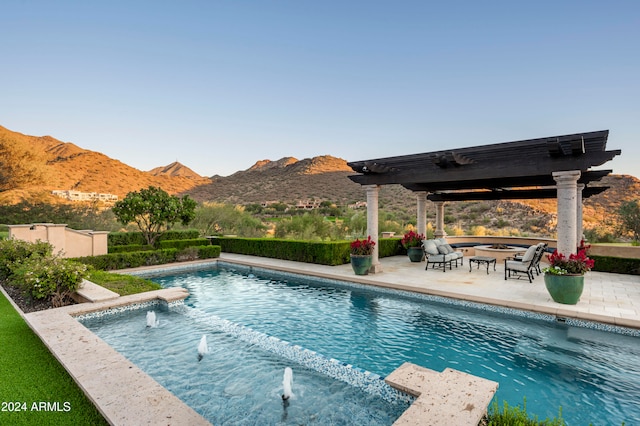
pixel 361 255
pixel 564 279
pixel 412 241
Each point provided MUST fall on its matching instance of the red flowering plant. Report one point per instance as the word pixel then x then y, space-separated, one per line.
pixel 412 239
pixel 576 264
pixel 362 247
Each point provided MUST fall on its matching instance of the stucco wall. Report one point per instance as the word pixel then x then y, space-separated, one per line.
pixel 68 242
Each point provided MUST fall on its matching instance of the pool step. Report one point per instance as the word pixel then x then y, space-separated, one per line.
pixel 90 292
pixel 447 398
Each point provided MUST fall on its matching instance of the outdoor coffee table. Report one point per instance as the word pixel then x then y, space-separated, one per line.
pixel 483 259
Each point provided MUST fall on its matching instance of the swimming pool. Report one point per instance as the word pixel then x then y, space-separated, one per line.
pixel 238 381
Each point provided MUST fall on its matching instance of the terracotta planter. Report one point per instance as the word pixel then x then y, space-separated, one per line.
pixel 565 289
pixel 415 254
pixel 361 264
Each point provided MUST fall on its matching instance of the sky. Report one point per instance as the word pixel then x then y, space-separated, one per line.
pixel 219 85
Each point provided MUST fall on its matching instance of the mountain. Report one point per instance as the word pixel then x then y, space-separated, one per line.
pixel 69 167
pixel 175 169
pixel 289 180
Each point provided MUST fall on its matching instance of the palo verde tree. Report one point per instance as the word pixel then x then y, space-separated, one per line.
pixel 629 216
pixel 154 211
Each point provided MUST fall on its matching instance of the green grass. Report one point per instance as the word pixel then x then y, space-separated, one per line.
pixel 121 283
pixel 30 374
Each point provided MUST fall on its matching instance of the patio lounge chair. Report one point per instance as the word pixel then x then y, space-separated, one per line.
pixel 522 267
pixel 542 247
pixel 438 252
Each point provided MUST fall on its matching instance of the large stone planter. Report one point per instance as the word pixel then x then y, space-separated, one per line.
pixel 565 289
pixel 361 264
pixel 415 254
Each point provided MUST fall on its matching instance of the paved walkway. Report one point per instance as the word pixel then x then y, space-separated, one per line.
pixel 607 298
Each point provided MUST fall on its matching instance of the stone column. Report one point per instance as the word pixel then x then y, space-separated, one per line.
pixel 567 188
pixel 439 232
pixel 421 220
pixel 579 235
pixel 372 224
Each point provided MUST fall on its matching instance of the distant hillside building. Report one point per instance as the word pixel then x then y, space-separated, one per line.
pixel 85 196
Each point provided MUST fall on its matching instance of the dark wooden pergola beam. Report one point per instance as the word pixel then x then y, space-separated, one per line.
pixel 519 194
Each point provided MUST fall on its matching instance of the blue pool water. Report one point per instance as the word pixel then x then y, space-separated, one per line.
pixel 238 382
pixel 593 375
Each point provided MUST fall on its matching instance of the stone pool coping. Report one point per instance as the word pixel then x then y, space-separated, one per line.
pixel 122 392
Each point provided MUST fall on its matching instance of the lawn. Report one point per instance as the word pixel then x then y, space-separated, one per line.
pixel 34 388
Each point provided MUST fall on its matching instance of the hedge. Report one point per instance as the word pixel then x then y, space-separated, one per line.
pixel 128 238
pixel 114 261
pixel 182 244
pixel 617 265
pixel 129 248
pixel 319 252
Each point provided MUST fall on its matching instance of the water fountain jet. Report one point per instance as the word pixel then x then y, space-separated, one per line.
pixel 287 383
pixel 203 349
pixel 151 319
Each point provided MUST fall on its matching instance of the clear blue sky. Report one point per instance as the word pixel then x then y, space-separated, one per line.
pixel 219 85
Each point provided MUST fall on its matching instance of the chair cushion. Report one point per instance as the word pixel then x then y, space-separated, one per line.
pixel 449 248
pixel 443 249
pixel 515 265
pixel 528 255
pixel 430 247
pixel 440 241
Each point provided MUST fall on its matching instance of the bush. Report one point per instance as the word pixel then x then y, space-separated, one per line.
pixel 182 244
pixel 112 261
pixel 208 252
pixel 129 248
pixel 617 265
pixel 12 251
pixel 44 277
pixel 320 252
pixel 108 262
pixel 516 416
pixel 129 238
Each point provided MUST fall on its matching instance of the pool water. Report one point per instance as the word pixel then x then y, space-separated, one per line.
pixel 593 375
pixel 236 382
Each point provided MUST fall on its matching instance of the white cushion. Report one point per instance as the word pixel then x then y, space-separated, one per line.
pixel 528 255
pixel 430 247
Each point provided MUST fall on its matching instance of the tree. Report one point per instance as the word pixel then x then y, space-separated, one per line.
pixel 154 211
pixel 216 218
pixel 629 214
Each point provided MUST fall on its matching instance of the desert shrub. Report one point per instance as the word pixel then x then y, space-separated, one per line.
pixel 48 277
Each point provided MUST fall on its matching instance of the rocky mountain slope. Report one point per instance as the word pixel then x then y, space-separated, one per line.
pixel 69 167
pixel 286 180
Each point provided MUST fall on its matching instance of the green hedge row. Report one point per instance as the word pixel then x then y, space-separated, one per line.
pixel 320 252
pixel 617 265
pixel 128 238
pixel 129 248
pixel 182 244
pixel 126 260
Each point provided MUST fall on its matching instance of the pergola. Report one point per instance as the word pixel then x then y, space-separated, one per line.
pixel 551 167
